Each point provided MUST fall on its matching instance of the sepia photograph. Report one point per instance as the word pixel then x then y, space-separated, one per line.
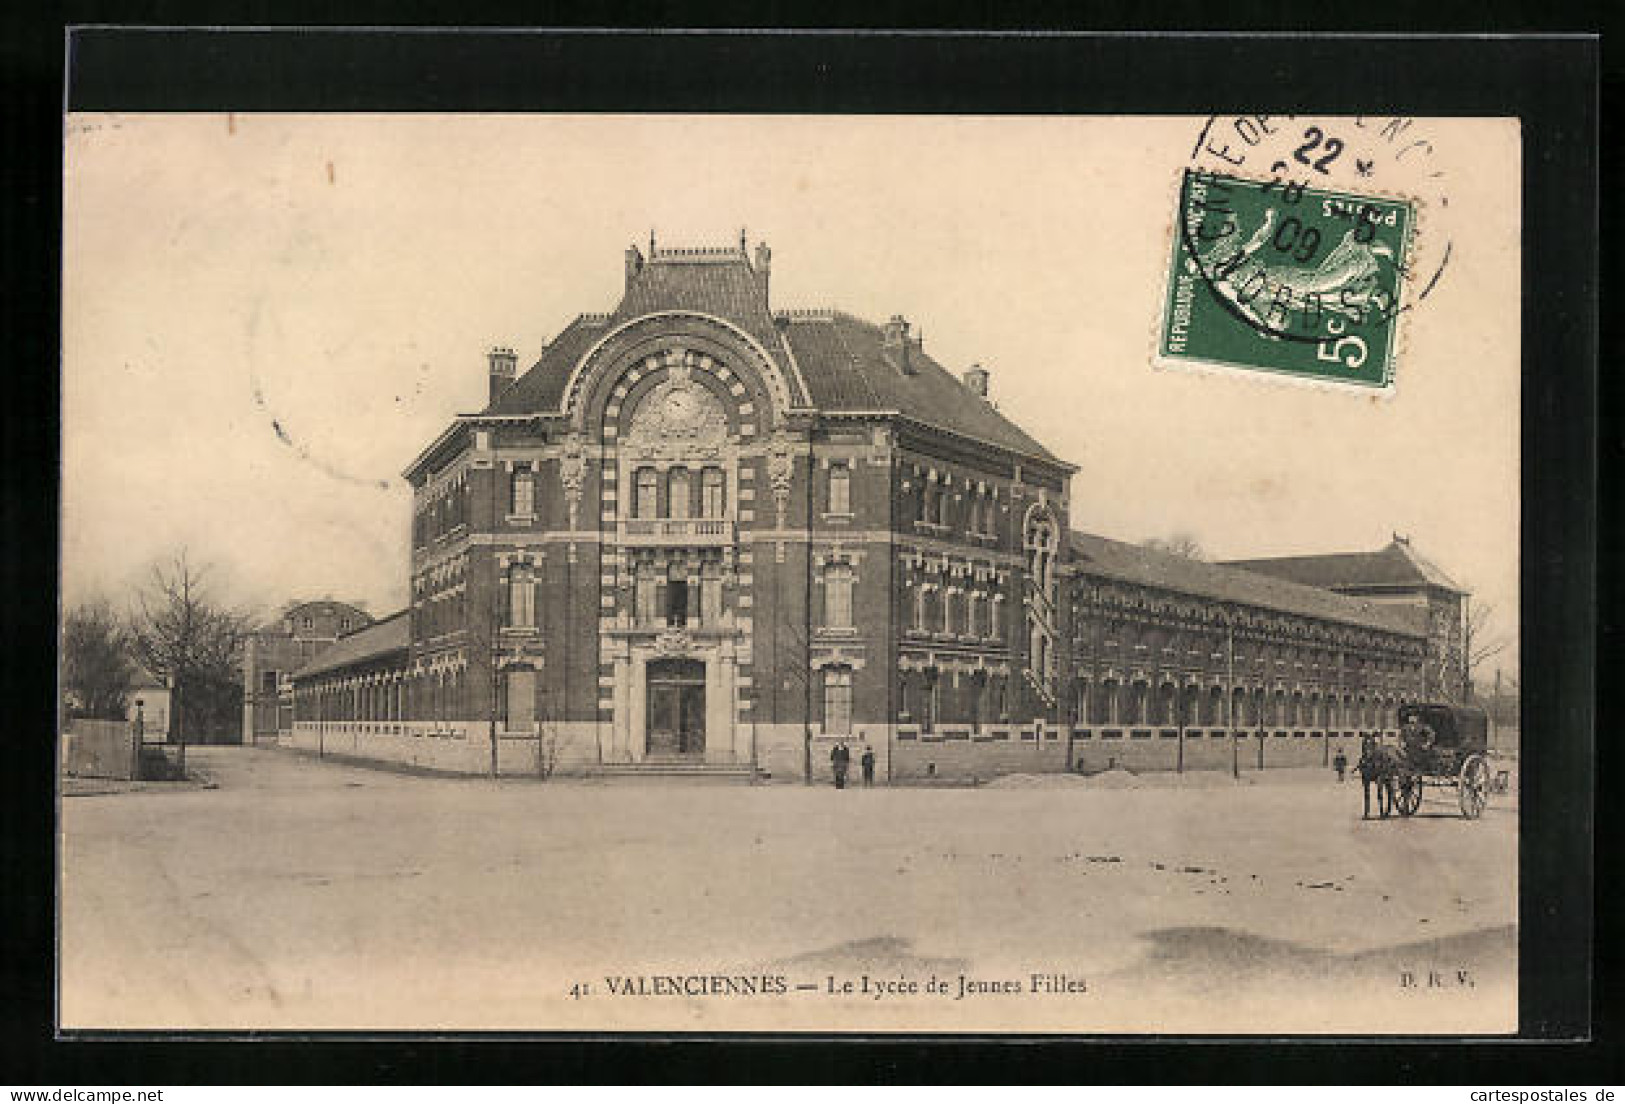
pixel 900 574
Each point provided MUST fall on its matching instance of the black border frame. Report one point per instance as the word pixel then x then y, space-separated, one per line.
pixel 1550 82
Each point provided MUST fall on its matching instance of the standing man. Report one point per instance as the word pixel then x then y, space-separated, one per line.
pixel 839 759
pixel 868 764
pixel 1340 764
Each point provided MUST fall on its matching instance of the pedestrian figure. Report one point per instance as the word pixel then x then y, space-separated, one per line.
pixel 1376 772
pixel 840 758
pixel 868 764
pixel 1340 764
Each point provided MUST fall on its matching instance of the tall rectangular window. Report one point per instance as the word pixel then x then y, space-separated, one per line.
pixel 838 596
pixel 520 704
pixel 711 600
pixel 648 494
pixel 524 494
pixel 840 489
pixel 838 701
pixel 713 494
pixel 521 598
pixel 645 611
pixel 678 493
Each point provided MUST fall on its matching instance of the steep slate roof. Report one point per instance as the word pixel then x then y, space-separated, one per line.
pixel 1133 563
pixel 840 357
pixel 381 638
pixel 540 388
pixel 1397 565
pixel 847 368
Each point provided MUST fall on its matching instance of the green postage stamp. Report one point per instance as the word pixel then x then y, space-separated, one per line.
pixel 1283 278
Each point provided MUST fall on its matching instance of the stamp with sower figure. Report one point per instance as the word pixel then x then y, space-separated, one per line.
pixel 1276 266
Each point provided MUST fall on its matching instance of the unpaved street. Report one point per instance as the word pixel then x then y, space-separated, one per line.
pixel 306 894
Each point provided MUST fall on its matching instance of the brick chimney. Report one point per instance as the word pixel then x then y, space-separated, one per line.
pixel 976 379
pixel 634 262
pixel 894 342
pixel 764 264
pixel 504 366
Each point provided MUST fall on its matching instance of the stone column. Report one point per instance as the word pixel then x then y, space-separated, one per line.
pixel 718 733
pixel 638 708
pixel 620 735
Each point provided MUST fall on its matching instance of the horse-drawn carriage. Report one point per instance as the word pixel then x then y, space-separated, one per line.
pixel 1443 746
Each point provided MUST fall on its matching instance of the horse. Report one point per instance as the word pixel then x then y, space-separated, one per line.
pixel 1378 767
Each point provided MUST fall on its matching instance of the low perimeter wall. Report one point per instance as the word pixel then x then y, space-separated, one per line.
pixel 951 753
pixel 457 747
pixel 101 749
pixel 959 754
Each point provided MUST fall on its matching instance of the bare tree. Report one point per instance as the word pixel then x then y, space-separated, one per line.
pixel 181 632
pixel 96 667
pixel 1179 543
pixel 1477 644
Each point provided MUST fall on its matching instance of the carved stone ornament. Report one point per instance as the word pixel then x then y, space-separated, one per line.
pixel 680 410
pixel 780 468
pixel 572 472
pixel 675 641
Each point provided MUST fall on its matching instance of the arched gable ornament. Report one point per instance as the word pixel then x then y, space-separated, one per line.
pixel 679 412
pixel 777 379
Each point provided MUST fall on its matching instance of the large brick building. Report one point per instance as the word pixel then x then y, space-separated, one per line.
pixel 698 533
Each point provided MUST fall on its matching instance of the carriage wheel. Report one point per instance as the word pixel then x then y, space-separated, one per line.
pixel 1473 787
pixel 1408 799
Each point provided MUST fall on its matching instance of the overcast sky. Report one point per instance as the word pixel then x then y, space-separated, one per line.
pixel 267 317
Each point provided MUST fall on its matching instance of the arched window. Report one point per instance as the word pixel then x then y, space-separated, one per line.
pixel 1040 546
pixel 523 498
pixel 713 494
pixel 838 596
pixel 521 597
pixel 648 500
pixel 678 493
pixel 837 701
pixel 973 614
pixel 919 606
pixel 1137 703
pixel 1105 704
pixel 840 488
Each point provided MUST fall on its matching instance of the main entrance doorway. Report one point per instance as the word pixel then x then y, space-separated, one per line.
pixel 676 708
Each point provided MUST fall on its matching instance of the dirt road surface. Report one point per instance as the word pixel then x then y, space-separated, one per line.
pixel 306 894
